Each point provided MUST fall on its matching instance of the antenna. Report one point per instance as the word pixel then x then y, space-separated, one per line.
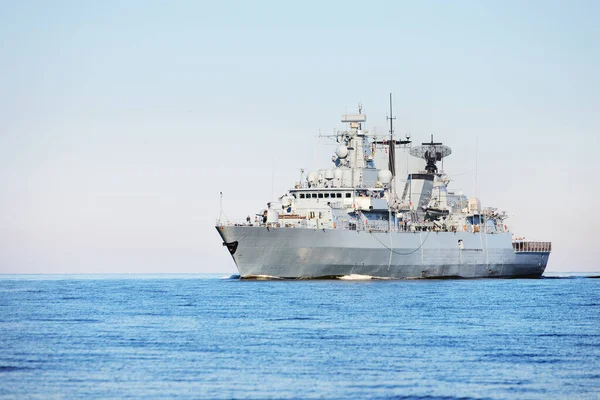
pixel 392 144
pixel 476 156
pixel 221 213
pixel 273 180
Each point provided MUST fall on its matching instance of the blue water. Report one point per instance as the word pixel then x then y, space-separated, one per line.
pixel 204 337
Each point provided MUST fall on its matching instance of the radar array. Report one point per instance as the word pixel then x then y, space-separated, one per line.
pixel 431 152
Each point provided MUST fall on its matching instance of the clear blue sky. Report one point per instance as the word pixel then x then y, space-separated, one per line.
pixel 120 122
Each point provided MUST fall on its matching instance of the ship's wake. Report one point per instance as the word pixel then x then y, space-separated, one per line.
pixel 356 277
pixel 233 277
pixel 350 277
pixel 261 277
pixel 359 277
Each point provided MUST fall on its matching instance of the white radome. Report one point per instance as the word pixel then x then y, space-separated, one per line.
pixel 384 175
pixel 329 174
pixel 312 177
pixel 341 151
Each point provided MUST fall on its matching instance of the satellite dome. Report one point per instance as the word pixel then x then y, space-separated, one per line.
pixel 337 173
pixel 384 175
pixel 341 151
pixel 329 174
pixel 312 177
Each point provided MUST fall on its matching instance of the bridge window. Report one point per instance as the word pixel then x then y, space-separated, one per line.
pixel 301 195
pixel 320 195
pixel 348 195
pixel 338 195
pixel 326 195
pixel 314 195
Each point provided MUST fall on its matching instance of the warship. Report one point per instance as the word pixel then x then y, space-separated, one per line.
pixel 352 220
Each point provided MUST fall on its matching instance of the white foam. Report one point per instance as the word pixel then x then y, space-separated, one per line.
pixel 356 277
pixel 260 277
pixel 234 276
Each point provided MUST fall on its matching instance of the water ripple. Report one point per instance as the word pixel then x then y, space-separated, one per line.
pixel 212 338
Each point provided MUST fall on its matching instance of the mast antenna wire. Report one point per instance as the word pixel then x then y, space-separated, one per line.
pixel 396 252
pixel 273 180
pixel 221 212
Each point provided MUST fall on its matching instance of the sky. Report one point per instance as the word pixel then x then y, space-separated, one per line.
pixel 120 122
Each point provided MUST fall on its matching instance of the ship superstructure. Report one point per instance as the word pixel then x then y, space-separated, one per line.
pixel 352 219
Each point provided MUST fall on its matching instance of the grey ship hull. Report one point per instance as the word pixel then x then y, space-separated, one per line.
pixel 310 253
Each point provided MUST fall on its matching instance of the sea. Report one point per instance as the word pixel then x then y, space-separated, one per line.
pixel 215 337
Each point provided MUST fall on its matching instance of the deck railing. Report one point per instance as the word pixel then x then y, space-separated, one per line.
pixel 359 185
pixel 535 247
pixel 238 222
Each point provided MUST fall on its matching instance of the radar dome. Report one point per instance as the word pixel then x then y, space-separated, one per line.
pixel 385 176
pixel 337 173
pixel 329 174
pixel 312 177
pixel 341 151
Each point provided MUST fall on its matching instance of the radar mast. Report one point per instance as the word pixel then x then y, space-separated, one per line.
pixel 392 150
